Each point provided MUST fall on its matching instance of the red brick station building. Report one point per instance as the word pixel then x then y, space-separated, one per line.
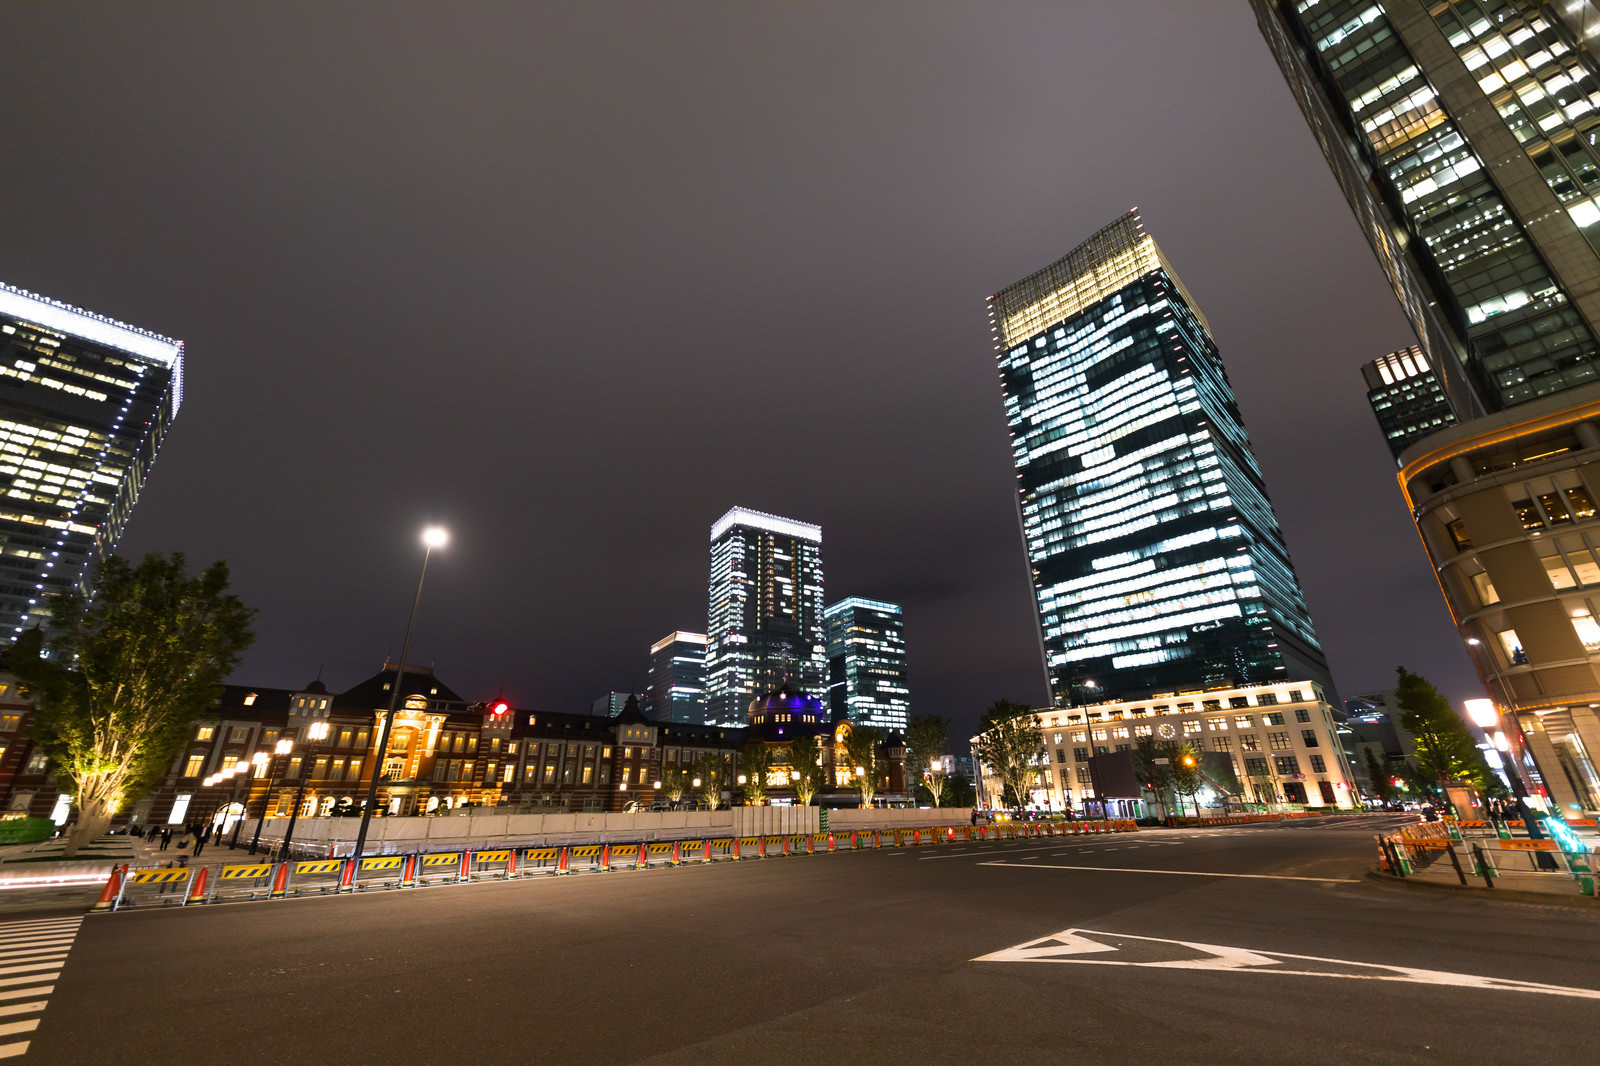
pixel 444 752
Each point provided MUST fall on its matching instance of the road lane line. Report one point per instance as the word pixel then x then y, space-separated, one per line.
pixel 1174 873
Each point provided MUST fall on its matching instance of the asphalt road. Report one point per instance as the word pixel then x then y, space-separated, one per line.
pixel 873 957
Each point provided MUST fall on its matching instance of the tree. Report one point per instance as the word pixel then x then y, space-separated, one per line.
pixel 927 737
pixel 1011 743
pixel 805 766
pixel 861 748
pixel 709 771
pixel 1152 768
pixel 1184 772
pixel 674 783
pixel 1381 788
pixel 756 762
pixel 127 675
pixel 1445 749
pixel 960 792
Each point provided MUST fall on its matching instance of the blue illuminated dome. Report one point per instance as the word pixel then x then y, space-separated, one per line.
pixel 785 714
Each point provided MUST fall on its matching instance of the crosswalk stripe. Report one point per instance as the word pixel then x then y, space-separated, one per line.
pixel 18 993
pixel 30 977
pixel 28 967
pixel 8 1051
pixel 31 953
pixel 13 1028
pixel 23 1008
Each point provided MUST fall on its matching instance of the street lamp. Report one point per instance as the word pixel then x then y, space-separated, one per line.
pixel 432 537
pixel 316 731
pixel 281 748
pixel 259 759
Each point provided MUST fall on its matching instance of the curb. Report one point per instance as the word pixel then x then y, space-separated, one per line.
pixel 1503 895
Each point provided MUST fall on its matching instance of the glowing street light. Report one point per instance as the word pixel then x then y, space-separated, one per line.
pixel 1482 713
pixel 432 537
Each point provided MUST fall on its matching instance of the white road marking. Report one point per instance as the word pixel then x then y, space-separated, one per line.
pixel 1175 873
pixel 1069 945
pixel 37 950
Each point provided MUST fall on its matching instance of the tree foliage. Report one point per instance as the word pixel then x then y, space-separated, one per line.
pixel 1185 773
pixel 866 765
pixel 756 762
pixel 805 760
pixel 1011 743
pixel 927 737
pixel 710 772
pixel 126 675
pixel 1381 788
pixel 675 783
pixel 1445 748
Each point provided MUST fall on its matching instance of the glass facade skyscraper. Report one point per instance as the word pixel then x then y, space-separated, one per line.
pixel 678 678
pixel 1464 136
pixel 87 404
pixel 867 663
pixel 1407 397
pixel 764 623
pixel 1157 562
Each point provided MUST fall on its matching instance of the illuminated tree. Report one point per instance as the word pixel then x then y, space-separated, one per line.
pixel 127 675
pixel 805 765
pixel 756 762
pixel 1011 743
pixel 710 772
pixel 861 749
pixel 927 737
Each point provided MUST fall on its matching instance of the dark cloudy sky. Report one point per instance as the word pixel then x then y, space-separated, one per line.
pixel 574 279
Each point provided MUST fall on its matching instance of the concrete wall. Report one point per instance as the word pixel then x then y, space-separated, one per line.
pixel 483 827
pixel 898 818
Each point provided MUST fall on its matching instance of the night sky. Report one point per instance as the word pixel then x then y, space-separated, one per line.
pixel 573 279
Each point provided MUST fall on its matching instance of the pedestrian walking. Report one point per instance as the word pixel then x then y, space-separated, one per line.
pixel 199 845
pixel 166 836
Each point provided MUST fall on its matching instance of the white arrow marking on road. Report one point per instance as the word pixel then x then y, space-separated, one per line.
pixel 1070 945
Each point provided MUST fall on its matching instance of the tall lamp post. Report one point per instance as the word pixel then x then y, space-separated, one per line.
pixel 316 731
pixel 432 537
pixel 282 748
pixel 259 759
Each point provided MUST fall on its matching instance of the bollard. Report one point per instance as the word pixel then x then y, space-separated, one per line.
pixel 736 853
pixel 465 872
pixel 561 863
pixel 643 861
pixel 347 876
pixel 830 842
pixel 408 871
pixel 511 863
pixel 112 893
pixel 605 858
pixel 677 854
pixel 708 849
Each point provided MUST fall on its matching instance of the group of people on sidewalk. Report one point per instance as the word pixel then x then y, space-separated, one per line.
pixel 197 834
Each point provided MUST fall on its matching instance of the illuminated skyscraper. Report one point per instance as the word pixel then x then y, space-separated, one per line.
pixel 86 404
pixel 867 662
pixel 678 678
pixel 765 619
pixel 1466 137
pixel 1157 561
pixel 1407 397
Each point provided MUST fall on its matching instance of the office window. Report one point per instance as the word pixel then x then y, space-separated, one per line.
pixel 1061 755
pixel 1302 714
pixel 1318 766
pixel 1216 724
pixel 10 723
pixel 1485 590
pixel 1266 699
pixel 588 774
pixel 1243 721
pixel 1588 631
pixel 1296 695
pixel 1308 737
pixel 1255 767
pixel 1221 743
pixel 193 767
pixel 1191 727
pixel 36 763
pixel 1272 719
pixel 1278 741
pixel 1249 742
pixel 205 732
pixel 1286 764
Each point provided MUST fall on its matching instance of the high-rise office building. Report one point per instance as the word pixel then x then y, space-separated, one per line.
pixel 1407 397
pixel 88 403
pixel 764 625
pixel 1466 137
pixel 867 663
pixel 678 678
pixel 1157 561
